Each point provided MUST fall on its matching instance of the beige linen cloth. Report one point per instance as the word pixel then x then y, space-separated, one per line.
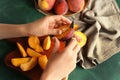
pixel 100 21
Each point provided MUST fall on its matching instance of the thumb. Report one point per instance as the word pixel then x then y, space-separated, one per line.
pixel 55 32
pixel 56 45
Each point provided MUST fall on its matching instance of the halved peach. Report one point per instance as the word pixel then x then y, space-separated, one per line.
pixel 81 37
pixel 66 35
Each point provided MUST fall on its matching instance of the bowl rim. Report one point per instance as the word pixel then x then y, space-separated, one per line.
pixel 50 13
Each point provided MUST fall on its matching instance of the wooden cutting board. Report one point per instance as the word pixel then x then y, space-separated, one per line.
pixel 33 74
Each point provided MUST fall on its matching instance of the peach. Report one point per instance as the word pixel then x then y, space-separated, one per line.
pixel 67 32
pixel 50 51
pixel 61 7
pixel 66 35
pixel 81 38
pixel 76 5
pixel 46 5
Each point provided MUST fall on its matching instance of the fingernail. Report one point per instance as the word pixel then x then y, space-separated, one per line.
pixel 59 31
pixel 74 38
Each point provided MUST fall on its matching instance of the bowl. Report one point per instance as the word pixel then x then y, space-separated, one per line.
pixel 69 13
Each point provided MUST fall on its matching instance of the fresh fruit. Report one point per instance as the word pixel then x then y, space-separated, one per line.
pixel 34 43
pixel 81 38
pixel 67 32
pixel 47 43
pixel 38 48
pixel 62 46
pixel 76 5
pixel 42 61
pixel 50 51
pixel 75 27
pixel 65 35
pixel 22 51
pixel 46 5
pixel 32 53
pixel 29 65
pixel 18 61
pixel 60 7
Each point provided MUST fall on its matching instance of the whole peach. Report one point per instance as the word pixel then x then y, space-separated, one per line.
pixel 46 5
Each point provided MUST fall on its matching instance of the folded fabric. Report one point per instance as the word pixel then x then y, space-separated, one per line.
pixel 100 21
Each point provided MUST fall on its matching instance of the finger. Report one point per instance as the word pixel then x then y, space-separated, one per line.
pixel 72 44
pixel 77 37
pixel 66 20
pixel 76 48
pixel 65 78
pixel 59 18
pixel 55 32
pixel 56 45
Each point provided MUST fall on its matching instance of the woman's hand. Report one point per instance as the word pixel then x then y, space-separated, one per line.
pixel 47 25
pixel 62 64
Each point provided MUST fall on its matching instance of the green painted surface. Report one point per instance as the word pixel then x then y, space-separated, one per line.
pixel 23 11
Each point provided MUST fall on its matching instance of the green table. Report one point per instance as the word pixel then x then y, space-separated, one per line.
pixel 22 11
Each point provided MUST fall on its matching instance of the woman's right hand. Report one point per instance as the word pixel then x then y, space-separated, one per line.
pixel 62 64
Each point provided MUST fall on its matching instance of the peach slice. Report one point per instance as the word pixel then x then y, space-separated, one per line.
pixel 29 65
pixel 42 61
pixel 32 53
pixel 75 27
pixel 18 61
pixel 38 48
pixel 34 43
pixel 47 43
pixel 22 51
pixel 81 37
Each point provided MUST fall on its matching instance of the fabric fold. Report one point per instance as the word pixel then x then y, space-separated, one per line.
pixel 100 21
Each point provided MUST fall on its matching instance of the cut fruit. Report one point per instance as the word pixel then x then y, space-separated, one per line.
pixel 43 61
pixel 38 48
pixel 32 53
pixel 47 43
pixel 75 27
pixel 82 38
pixel 66 35
pixel 32 41
pixel 22 50
pixel 18 61
pixel 29 65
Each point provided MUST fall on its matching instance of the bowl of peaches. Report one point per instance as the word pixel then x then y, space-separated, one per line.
pixel 60 7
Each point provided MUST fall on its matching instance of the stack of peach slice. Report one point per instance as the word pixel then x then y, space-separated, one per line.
pixel 39 49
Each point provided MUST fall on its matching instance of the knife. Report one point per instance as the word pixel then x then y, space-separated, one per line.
pixel 72 24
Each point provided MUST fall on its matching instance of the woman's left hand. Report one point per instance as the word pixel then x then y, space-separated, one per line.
pixel 47 25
